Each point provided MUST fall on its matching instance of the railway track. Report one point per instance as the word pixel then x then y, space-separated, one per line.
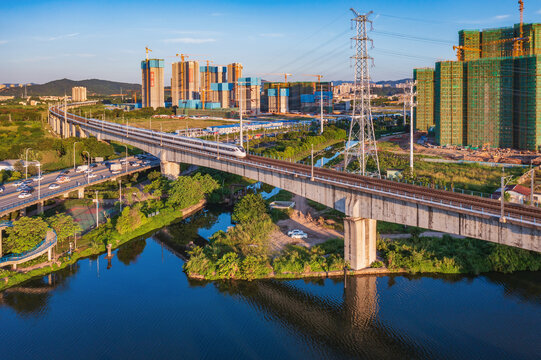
pixel 489 206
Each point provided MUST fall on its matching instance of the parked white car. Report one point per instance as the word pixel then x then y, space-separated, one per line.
pixel 297 234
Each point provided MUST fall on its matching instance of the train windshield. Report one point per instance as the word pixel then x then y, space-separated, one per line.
pixel 241 148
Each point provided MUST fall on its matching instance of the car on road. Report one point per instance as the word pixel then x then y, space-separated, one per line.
pixel 28 181
pixel 54 186
pixel 297 234
pixel 64 172
pixel 24 188
pixel 2 188
pixel 133 163
pixel 91 175
pixel 62 179
pixel 93 165
pixel 114 172
pixel 17 183
pixel 24 195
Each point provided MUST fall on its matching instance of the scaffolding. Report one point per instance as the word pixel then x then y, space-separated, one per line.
pixel 424 111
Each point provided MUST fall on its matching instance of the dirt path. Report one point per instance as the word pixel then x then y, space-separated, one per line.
pixel 303 219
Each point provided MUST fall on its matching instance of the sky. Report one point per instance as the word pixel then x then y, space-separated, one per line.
pixel 45 40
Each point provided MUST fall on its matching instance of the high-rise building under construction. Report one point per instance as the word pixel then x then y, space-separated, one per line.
pixel 185 82
pixel 490 96
pixel 153 87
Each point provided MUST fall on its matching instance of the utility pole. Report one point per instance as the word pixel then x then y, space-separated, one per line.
pixel 361 128
pixel 312 168
pixel 321 103
pixel 240 115
pixel 97 210
pixel 120 194
pixel 412 104
pixel 532 183
pixel 74 154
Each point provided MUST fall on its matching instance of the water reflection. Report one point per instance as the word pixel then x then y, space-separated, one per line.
pixel 31 298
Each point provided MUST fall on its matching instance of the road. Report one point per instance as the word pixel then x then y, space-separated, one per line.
pixel 10 196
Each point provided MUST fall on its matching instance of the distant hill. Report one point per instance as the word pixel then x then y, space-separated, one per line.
pixel 385 82
pixel 63 86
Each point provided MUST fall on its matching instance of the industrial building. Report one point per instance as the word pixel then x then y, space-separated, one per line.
pixel 490 96
pixel 78 93
pixel 282 97
pixel 153 86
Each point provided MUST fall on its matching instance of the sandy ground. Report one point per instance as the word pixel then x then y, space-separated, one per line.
pixel 303 218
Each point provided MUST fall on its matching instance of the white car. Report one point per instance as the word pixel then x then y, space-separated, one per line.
pixel 297 234
pixel 24 195
pixel 17 183
pixel 54 186
pixel 1 189
pixel 91 175
pixel 39 177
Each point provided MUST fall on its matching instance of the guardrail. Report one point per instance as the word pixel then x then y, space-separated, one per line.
pixel 70 187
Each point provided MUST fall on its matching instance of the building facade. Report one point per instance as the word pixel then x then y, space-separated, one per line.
pixel 78 93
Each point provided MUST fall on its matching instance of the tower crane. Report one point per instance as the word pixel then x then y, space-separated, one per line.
pixel 518 42
pixel 147 50
pixel 320 100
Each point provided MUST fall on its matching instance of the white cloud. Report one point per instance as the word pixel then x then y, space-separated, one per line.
pixel 484 21
pixel 272 35
pixel 189 40
pixel 501 17
pixel 539 11
pixel 2 42
pixel 59 37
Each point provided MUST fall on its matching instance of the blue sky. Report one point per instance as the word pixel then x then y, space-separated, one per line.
pixel 47 40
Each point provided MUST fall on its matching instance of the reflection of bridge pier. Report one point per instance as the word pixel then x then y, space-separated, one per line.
pixel 350 328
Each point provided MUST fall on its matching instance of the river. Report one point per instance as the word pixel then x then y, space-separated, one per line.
pixel 142 306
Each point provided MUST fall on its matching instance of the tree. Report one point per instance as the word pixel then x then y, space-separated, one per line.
pixel 26 233
pixel 131 219
pixel 187 191
pixel 64 225
pixel 249 208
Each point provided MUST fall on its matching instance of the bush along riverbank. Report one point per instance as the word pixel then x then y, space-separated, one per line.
pixel 243 251
pixel 454 256
pixel 177 199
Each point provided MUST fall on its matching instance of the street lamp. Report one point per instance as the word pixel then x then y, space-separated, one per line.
pixel 502 195
pixel 120 194
pixel 77 142
pixel 39 179
pixel 126 162
pixel 97 210
pixel 88 169
pixel 26 162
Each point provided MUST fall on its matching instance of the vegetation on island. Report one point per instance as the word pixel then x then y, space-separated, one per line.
pixel 243 251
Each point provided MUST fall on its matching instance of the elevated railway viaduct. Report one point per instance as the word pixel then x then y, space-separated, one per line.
pixel 364 200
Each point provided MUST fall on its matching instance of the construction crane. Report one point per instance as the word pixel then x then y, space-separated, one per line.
pixel 518 42
pixel 320 100
pixel 147 50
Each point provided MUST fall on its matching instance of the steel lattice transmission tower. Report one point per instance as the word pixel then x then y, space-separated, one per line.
pixel 361 144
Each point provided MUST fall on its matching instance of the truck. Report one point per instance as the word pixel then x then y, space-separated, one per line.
pixel 115 166
pixel 81 168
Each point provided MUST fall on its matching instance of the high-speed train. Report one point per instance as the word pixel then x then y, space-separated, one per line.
pixel 182 141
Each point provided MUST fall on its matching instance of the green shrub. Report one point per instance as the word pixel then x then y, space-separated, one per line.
pixel 377 264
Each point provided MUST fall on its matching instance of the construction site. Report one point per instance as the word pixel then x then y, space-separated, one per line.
pixel 489 97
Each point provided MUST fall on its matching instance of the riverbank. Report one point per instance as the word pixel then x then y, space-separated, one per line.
pixel 164 218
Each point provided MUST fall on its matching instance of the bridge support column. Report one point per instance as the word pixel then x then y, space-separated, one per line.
pixel 50 254
pixel 14 267
pixel 359 242
pixel 23 212
pixel 81 193
pixel 40 208
pixel 82 134
pixel 66 195
pixel 170 170
pixel 73 130
pixel 1 231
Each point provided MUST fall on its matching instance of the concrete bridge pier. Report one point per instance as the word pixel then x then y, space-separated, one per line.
pixel 82 134
pixel 359 242
pixel 170 170
pixel 40 207
pixel 81 193
pixel 50 254
pixel 1 231
pixel 22 212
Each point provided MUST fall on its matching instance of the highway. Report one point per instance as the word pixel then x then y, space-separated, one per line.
pixel 9 198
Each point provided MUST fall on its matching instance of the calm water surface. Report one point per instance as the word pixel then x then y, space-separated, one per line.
pixel 142 306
